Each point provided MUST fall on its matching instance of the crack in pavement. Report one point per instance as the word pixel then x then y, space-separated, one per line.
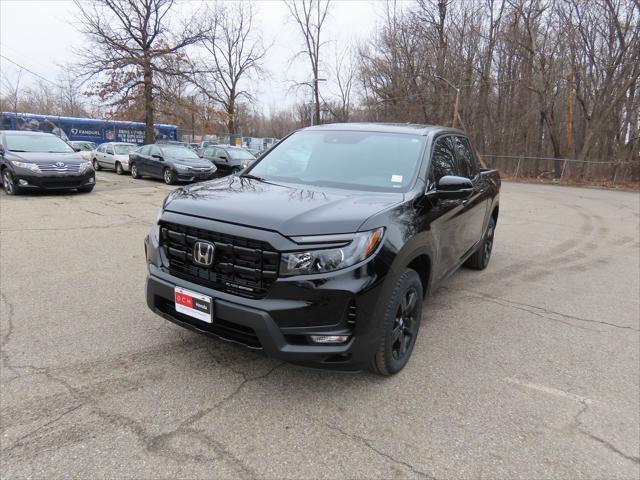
pixel 579 426
pixel 160 443
pixel 367 443
pixel 539 311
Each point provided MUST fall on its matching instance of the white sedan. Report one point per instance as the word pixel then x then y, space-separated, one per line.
pixel 112 155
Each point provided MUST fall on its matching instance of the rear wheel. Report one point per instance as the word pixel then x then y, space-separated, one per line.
pixel 9 184
pixel 400 325
pixel 134 171
pixel 96 165
pixel 169 176
pixel 119 169
pixel 480 259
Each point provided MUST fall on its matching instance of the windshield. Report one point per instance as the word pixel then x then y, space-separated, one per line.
pixel 36 143
pixel 123 149
pixel 84 146
pixel 344 159
pixel 179 152
pixel 239 154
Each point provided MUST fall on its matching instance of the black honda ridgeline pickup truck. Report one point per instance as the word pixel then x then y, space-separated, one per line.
pixel 321 252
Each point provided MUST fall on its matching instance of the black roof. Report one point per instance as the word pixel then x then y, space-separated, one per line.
pixel 406 128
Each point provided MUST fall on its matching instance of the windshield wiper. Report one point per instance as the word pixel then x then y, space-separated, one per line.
pixel 251 177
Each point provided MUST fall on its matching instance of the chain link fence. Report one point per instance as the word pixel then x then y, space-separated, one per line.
pixel 564 169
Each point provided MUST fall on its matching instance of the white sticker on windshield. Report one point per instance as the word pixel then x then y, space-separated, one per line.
pixel 396 178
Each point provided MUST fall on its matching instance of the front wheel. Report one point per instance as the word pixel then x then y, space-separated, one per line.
pixel 134 171
pixel 96 165
pixel 480 259
pixel 169 176
pixel 9 184
pixel 400 325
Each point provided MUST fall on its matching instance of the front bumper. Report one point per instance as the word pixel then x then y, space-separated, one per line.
pixel 194 177
pixel 340 303
pixel 26 179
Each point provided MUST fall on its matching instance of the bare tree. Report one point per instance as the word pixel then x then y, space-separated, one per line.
pixel 310 16
pixel 234 54
pixel 12 90
pixel 344 70
pixel 127 41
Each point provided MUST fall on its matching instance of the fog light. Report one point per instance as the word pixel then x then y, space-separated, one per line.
pixel 329 338
pixel 92 180
pixel 22 183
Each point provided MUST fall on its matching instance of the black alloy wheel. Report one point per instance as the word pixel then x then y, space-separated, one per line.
pixel 400 325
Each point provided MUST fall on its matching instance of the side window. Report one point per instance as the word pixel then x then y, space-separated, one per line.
pixel 466 160
pixel 144 150
pixel 100 148
pixel 156 151
pixel 209 152
pixel 110 150
pixel 443 160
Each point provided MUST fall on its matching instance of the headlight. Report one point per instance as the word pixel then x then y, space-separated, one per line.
pixel 85 167
pixel 361 246
pixel 181 168
pixel 246 164
pixel 29 166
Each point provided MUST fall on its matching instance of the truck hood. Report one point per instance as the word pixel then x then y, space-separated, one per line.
pixel 44 157
pixel 288 209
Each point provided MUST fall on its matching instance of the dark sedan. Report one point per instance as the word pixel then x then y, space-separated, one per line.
pixel 172 163
pixel 41 161
pixel 228 159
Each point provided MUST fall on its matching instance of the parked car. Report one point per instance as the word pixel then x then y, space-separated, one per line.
pixel 113 155
pixel 41 161
pixel 170 162
pixel 84 148
pixel 322 251
pixel 228 159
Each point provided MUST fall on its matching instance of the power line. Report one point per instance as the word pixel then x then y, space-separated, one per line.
pixel 30 71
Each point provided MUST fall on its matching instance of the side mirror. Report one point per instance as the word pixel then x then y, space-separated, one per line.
pixel 159 157
pixel 77 149
pixel 223 157
pixel 451 187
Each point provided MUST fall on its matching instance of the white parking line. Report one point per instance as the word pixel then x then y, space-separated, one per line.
pixel 549 390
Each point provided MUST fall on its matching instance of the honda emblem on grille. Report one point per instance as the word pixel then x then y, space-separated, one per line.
pixel 203 253
pixel 60 164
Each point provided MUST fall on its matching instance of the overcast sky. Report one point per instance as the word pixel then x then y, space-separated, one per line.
pixel 40 35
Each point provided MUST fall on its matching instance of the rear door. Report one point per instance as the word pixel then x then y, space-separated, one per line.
pixel 141 159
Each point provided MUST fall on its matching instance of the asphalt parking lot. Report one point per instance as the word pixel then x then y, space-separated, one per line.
pixel 529 369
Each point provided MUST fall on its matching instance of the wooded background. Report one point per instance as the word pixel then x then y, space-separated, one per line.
pixel 535 80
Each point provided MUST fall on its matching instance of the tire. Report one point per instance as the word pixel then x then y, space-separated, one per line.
pixel 96 165
pixel 168 176
pixel 119 169
pixel 480 258
pixel 9 184
pixel 134 171
pixel 86 189
pixel 400 325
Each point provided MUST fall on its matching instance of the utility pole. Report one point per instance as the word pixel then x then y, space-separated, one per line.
pixel 457 102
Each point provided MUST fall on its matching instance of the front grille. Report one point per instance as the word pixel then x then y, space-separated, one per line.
pixel 52 167
pixel 226 330
pixel 61 183
pixel 240 266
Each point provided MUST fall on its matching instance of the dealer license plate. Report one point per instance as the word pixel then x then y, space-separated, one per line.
pixel 194 304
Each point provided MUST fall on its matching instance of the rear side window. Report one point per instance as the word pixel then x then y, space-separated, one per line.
pixel 466 161
pixel 443 160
